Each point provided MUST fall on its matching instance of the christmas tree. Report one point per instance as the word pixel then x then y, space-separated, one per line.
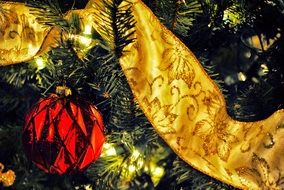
pixel 87 46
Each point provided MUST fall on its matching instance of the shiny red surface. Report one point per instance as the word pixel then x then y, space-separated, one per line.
pixel 62 135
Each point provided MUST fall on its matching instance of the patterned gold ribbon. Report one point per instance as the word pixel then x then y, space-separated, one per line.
pixel 188 110
pixel 21 37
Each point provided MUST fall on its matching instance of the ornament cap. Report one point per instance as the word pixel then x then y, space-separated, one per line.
pixel 63 91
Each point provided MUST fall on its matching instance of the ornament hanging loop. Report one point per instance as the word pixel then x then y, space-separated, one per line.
pixel 63 91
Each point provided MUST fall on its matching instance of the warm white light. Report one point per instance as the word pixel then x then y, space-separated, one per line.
pixel 158 171
pixel 88 187
pixel 83 41
pixel 264 70
pixel 108 150
pixel 40 64
pixel 242 76
pixel 107 145
pixel 135 154
pixel 146 168
pixel 88 30
pixel 131 168
pixel 86 41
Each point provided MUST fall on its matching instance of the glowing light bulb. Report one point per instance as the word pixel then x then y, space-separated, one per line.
pixel 264 70
pixel 86 38
pixel 88 26
pixel 131 168
pixel 88 187
pixel 135 154
pixel 156 174
pixel 107 146
pixel 158 171
pixel 242 76
pixel 146 168
pixel 40 64
pixel 86 41
pixel 108 150
pixel 88 30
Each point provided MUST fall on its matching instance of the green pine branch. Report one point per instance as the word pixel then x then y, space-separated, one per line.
pixel 178 15
pixel 115 23
pixel 48 13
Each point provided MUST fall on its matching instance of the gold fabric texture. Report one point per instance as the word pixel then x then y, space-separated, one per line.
pixel 21 37
pixel 188 111
pixel 183 104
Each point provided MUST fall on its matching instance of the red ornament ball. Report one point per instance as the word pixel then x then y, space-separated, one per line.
pixel 63 135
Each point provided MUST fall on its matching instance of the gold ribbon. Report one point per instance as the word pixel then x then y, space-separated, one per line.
pixel 21 37
pixel 188 110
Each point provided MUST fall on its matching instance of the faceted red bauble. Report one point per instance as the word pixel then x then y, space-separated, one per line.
pixel 63 135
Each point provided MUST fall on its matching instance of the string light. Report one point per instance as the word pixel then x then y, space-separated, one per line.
pixel 131 169
pixel 88 187
pixel 86 38
pixel 86 41
pixel 242 76
pixel 146 169
pixel 88 30
pixel 40 63
pixel 263 70
pixel 88 25
pixel 133 165
pixel 108 150
pixel 85 187
pixel 135 154
pixel 156 172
